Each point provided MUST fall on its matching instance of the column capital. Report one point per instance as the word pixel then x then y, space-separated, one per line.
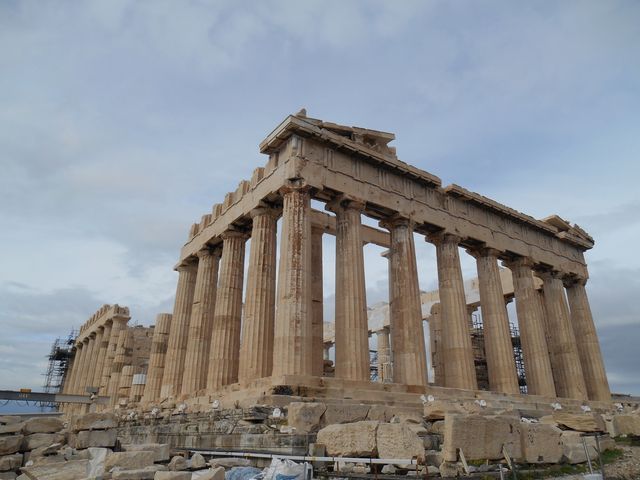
pixel 295 185
pixel 234 233
pixel 396 220
pixel 572 280
pixel 208 251
pixel 516 262
pixel 442 237
pixel 344 202
pixel 264 209
pixel 484 251
pixel 186 264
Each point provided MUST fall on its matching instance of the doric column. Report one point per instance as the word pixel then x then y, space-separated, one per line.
pixel 497 334
pixel 94 375
pixel 293 341
pixel 225 340
pixel 102 353
pixel 118 324
pixel 435 342
pixel 83 383
pixel 407 335
pixel 122 358
pixel 563 351
pixel 457 350
pixel 137 385
pixel 537 364
pixel 256 350
pixel 595 377
pixel 351 331
pixel 317 298
pixel 68 376
pixel 177 347
pixel 201 324
pixel 384 355
pixel 77 367
pixel 124 385
pixel 157 358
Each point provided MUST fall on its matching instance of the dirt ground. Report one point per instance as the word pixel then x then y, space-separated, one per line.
pixel 627 467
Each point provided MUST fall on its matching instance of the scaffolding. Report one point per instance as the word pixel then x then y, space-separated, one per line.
pixel 59 360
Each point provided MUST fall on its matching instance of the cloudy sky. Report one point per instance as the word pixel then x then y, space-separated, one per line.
pixel 122 122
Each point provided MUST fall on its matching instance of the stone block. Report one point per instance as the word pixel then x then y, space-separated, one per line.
pixel 11 428
pixel 305 416
pixel 71 470
pixel 147 473
pixel 37 440
pixel 10 444
pixel 350 439
pixel 45 451
pixel 178 463
pixel 211 474
pixel 626 425
pixel 481 437
pixel 10 462
pixel 43 425
pixel 96 438
pixel 9 419
pixel 398 440
pixel 229 462
pixel 541 443
pixel 172 476
pixel 161 450
pixel 438 409
pixel 573 449
pixel 437 427
pixel 407 417
pixel 8 475
pixel 379 413
pixel 128 460
pixel 339 413
pixel 95 421
pixel 197 462
pixel 586 422
pixel 97 458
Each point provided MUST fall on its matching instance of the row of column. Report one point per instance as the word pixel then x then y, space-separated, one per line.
pixel 204 350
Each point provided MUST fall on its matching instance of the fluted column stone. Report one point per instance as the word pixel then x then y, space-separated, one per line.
pixel 118 324
pixel 77 367
pixel 497 334
pixel 351 322
pixel 201 324
pixel 563 351
pixel 384 355
pixel 317 298
pixel 102 353
pixel 293 341
pixel 595 377
pixel 124 384
pixel 157 356
pixel 89 343
pixel 95 374
pixel 256 350
pixel 122 358
pixel 178 336
pixel 435 342
pixel 457 349
pixel 407 335
pixel 531 322
pixel 225 342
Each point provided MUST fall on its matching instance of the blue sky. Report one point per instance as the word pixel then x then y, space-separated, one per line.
pixel 122 122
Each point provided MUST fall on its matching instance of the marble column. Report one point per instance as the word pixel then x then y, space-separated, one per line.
pixel 457 350
pixel 293 341
pixel 178 336
pixel 122 358
pixel 256 350
pixel 317 298
pixel 201 324
pixel 124 385
pixel 351 322
pixel 77 367
pixel 407 335
pixel 118 324
pixel 157 358
pixel 384 355
pixel 497 334
pixel 83 383
pixel 435 342
pixel 137 385
pixel 531 322
pixel 225 340
pixel 595 377
pixel 68 376
pixel 563 351
pixel 102 353
pixel 94 375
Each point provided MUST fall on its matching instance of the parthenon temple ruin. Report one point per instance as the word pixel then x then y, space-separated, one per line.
pixel 274 344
